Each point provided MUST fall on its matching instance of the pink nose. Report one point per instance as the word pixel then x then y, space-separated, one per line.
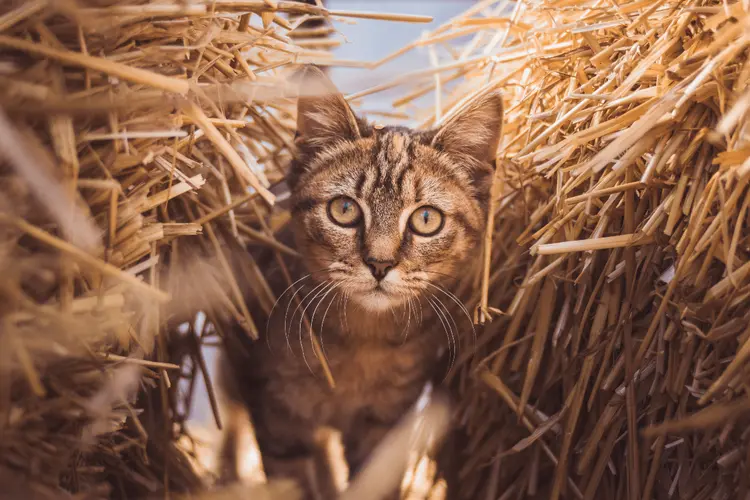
pixel 380 268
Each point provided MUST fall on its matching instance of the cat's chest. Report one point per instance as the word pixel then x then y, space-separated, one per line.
pixel 371 367
pixel 379 380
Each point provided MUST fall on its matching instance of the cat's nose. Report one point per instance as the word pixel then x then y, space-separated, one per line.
pixel 379 268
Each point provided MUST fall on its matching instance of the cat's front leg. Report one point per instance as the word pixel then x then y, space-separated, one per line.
pixel 312 475
pixel 290 449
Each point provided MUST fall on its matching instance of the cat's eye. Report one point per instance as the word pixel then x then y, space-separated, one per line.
pixel 426 221
pixel 344 211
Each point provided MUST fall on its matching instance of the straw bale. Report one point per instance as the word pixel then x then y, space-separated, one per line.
pixel 613 359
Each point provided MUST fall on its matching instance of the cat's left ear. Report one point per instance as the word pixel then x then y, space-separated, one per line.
pixel 323 115
pixel 474 132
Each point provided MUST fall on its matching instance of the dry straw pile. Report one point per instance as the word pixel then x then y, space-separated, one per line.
pixel 615 364
pixel 138 142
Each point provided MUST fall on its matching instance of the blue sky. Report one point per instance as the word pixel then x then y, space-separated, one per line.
pixel 371 40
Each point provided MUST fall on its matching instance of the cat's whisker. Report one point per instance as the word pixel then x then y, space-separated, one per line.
pixel 347 296
pixel 270 314
pixel 454 333
pixel 341 317
pixel 286 316
pixel 405 333
pixel 312 318
pixel 323 322
pixel 445 329
pixel 455 299
pixel 443 312
pixel 288 326
pixel 412 296
pixel 291 300
pixel 333 287
pixel 457 338
pixel 317 290
pixel 421 309
pixel 393 314
pixel 300 304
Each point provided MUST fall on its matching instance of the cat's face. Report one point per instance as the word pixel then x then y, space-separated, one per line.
pixel 385 214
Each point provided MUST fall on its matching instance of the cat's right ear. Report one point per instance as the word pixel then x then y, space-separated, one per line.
pixel 474 132
pixel 323 115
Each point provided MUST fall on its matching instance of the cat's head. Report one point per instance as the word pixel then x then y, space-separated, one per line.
pixel 386 212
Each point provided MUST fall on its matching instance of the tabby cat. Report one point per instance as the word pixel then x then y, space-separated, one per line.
pixel 384 219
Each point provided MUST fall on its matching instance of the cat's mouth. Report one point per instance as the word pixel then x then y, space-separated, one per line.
pixel 378 299
pixel 381 296
pixel 375 295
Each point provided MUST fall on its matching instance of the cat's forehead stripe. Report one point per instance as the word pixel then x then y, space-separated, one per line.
pixel 360 183
pixel 397 146
pixel 402 153
pixel 399 149
pixel 391 168
pixel 399 184
pixel 390 153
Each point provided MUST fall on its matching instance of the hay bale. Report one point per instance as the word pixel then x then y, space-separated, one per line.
pixel 616 277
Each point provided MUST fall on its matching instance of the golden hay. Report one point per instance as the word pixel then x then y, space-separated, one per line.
pixel 619 251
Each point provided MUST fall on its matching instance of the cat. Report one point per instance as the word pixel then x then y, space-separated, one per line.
pixel 385 218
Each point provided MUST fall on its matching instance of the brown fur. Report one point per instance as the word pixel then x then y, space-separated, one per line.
pixel 381 344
